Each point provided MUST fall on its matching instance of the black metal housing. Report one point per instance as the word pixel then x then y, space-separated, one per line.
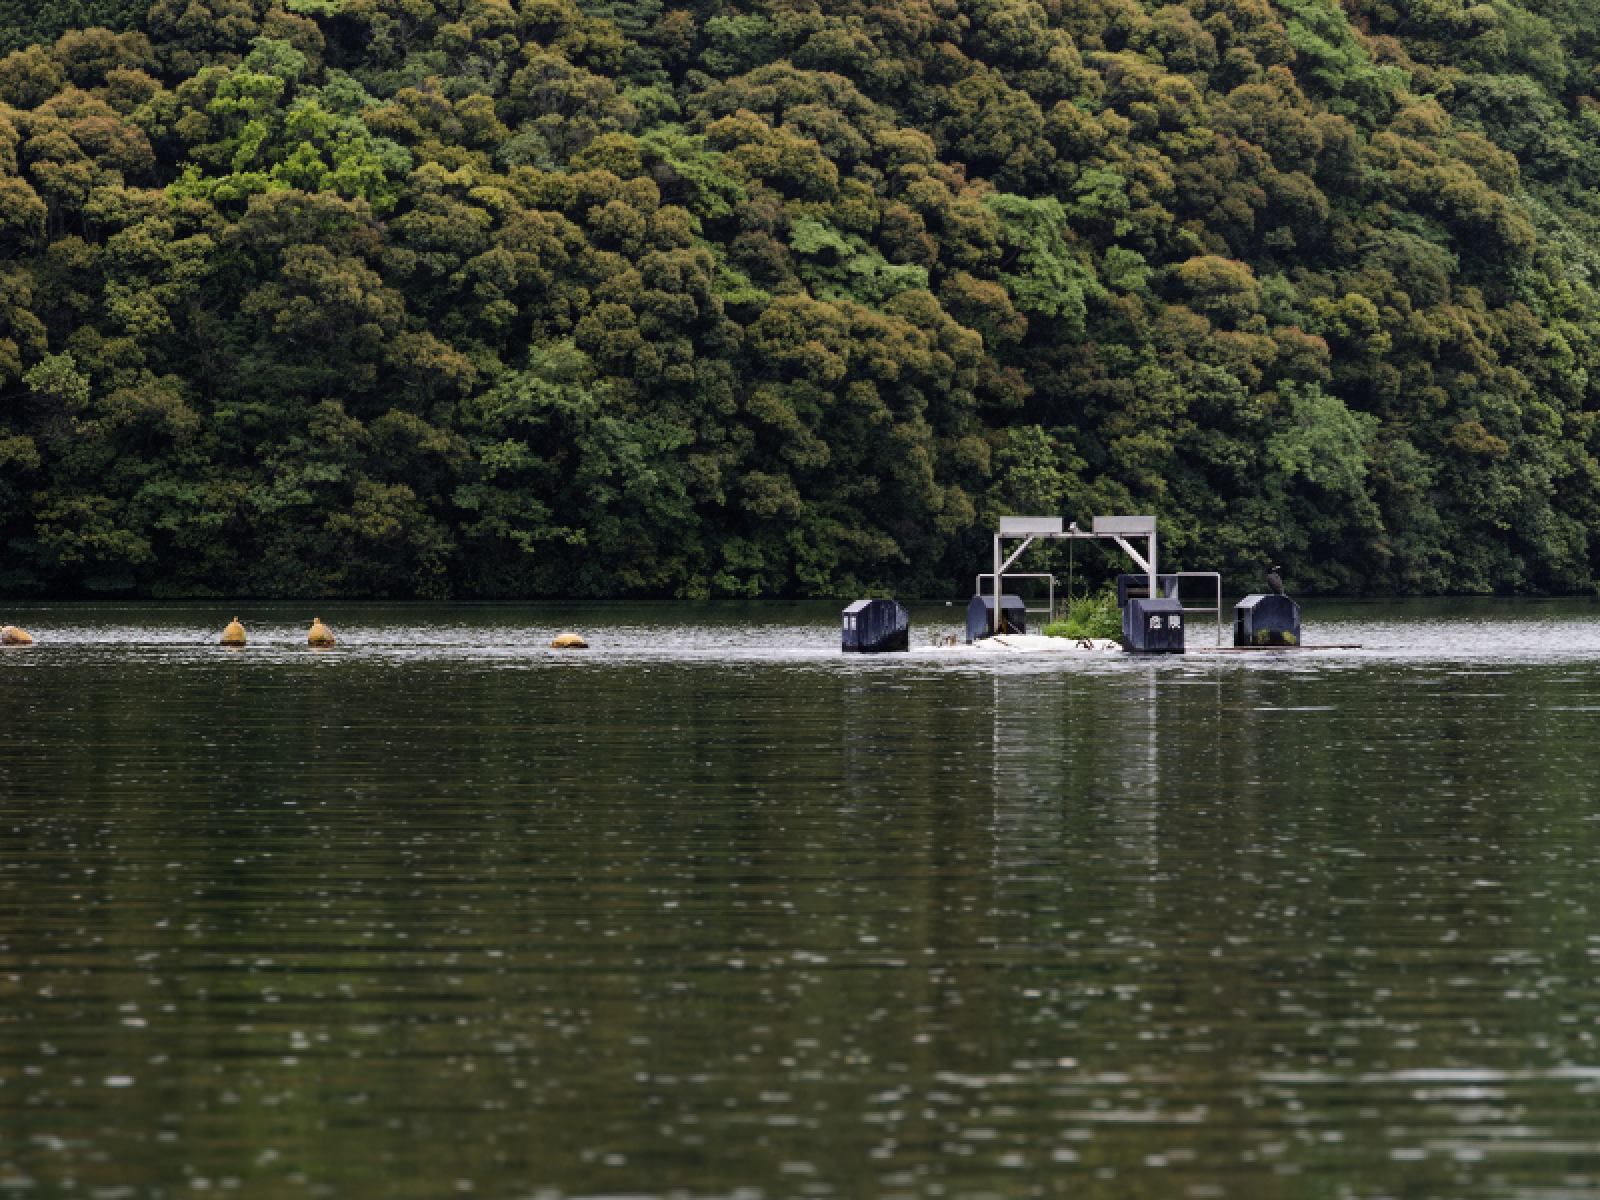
pixel 875 627
pixel 980 616
pixel 1266 621
pixel 1152 626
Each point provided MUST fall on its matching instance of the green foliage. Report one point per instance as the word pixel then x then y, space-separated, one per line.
pixel 843 266
pixel 55 380
pixel 1340 65
pixel 737 44
pixel 1093 615
pixel 24 23
pixel 278 138
pixel 374 297
pixel 1322 441
pixel 1051 278
pixel 682 161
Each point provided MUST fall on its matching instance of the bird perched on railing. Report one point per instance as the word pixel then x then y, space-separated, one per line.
pixel 1275 581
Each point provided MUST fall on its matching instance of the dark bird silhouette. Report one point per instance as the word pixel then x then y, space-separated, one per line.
pixel 1275 581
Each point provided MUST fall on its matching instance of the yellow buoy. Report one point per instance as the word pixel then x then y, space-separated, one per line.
pixel 320 634
pixel 233 635
pixel 569 641
pixel 10 635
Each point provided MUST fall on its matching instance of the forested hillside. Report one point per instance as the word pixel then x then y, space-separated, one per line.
pixel 491 298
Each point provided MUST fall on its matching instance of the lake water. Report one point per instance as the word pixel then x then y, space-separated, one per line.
pixel 710 910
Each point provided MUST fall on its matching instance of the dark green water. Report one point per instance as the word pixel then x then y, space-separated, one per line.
pixel 711 911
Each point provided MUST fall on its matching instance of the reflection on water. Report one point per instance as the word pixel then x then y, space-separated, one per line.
pixel 710 910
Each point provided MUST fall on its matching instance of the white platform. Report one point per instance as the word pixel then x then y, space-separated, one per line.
pixel 1027 643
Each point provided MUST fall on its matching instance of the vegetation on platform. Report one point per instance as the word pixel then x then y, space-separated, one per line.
pixel 636 297
pixel 1093 615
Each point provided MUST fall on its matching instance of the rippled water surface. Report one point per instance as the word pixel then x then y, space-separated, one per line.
pixel 710 910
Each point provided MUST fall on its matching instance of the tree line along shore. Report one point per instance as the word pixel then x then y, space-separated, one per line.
pixel 499 298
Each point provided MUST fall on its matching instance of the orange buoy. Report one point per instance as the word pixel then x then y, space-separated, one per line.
pixel 10 635
pixel 233 635
pixel 320 634
pixel 569 641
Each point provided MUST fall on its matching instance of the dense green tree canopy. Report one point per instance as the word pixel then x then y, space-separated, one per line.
pixel 525 297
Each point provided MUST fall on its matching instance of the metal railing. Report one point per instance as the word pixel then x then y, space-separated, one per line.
pixel 1214 577
pixel 977 587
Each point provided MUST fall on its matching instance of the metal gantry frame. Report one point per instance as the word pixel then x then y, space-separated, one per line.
pixel 1117 529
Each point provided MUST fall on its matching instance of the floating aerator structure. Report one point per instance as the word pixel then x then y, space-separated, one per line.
pixel 1152 613
pixel 874 627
